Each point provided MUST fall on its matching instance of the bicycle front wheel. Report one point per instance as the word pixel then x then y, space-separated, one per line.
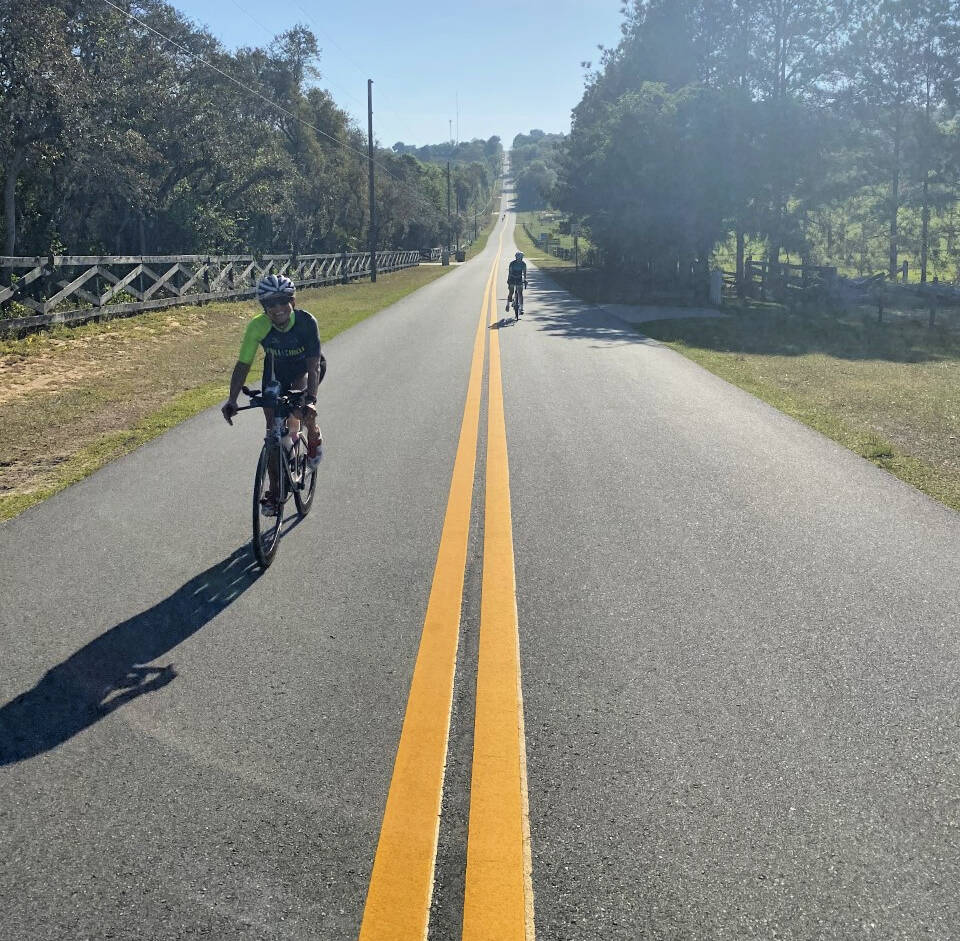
pixel 266 527
pixel 307 479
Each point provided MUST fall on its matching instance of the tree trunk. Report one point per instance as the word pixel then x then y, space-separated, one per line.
pixel 925 206
pixel 741 242
pixel 773 252
pixel 10 200
pixel 895 199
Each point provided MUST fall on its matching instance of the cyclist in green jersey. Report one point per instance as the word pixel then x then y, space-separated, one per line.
pixel 293 360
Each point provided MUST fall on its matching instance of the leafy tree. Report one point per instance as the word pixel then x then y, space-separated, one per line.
pixel 41 95
pixel 649 182
pixel 904 55
pixel 535 160
pixel 229 152
pixel 825 103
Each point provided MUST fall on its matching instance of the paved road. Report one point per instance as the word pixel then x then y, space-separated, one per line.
pixel 738 645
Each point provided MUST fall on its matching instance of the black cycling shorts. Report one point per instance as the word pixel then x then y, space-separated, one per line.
pixel 292 375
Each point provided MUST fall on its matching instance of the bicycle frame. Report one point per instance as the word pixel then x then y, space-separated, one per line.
pixel 282 410
pixel 517 299
pixel 296 479
pixel 274 439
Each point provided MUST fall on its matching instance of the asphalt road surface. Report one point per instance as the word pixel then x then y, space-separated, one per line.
pixel 578 640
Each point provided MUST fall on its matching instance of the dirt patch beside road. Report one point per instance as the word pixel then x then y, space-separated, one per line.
pixel 75 398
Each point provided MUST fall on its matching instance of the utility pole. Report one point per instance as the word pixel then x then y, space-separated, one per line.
pixel 459 223
pixel 373 204
pixel 449 225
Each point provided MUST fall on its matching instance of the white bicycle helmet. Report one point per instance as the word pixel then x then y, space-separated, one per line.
pixel 519 256
pixel 275 287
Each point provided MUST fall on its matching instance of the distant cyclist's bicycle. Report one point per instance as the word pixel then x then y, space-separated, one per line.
pixel 517 301
pixel 282 471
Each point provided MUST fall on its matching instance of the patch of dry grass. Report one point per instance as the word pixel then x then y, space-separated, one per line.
pixel 73 399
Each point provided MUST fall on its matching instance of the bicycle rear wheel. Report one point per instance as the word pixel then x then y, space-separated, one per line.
pixel 307 475
pixel 266 529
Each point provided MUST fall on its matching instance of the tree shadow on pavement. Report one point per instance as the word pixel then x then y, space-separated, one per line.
pixel 114 668
pixel 848 335
pixel 763 329
pixel 560 314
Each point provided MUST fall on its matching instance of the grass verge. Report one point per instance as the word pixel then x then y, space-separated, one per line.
pixel 889 392
pixel 529 248
pixel 106 388
pixel 541 222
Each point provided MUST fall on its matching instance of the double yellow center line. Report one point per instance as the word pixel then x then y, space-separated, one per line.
pixel 498 902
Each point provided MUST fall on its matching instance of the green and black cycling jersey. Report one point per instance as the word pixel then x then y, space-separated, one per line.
pixel 517 272
pixel 287 351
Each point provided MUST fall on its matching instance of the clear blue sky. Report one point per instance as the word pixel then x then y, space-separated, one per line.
pixel 516 65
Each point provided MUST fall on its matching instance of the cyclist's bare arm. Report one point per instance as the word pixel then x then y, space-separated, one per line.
pixel 237 379
pixel 316 367
pixel 240 373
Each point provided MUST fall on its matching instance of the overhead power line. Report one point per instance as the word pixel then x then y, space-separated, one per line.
pixel 347 57
pixel 262 97
pixel 338 88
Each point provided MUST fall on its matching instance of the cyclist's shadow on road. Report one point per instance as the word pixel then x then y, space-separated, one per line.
pixel 113 669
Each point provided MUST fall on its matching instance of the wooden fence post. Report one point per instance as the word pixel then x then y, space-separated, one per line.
pixel 716 287
pixel 48 280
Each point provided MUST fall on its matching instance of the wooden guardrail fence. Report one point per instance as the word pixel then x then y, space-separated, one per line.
pixel 822 283
pixel 779 280
pixel 73 288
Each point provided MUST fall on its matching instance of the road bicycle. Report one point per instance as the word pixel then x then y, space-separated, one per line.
pixel 517 301
pixel 282 470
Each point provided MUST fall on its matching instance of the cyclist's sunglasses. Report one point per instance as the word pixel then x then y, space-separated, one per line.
pixel 276 302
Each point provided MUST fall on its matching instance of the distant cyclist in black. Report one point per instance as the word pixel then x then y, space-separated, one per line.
pixel 516 279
